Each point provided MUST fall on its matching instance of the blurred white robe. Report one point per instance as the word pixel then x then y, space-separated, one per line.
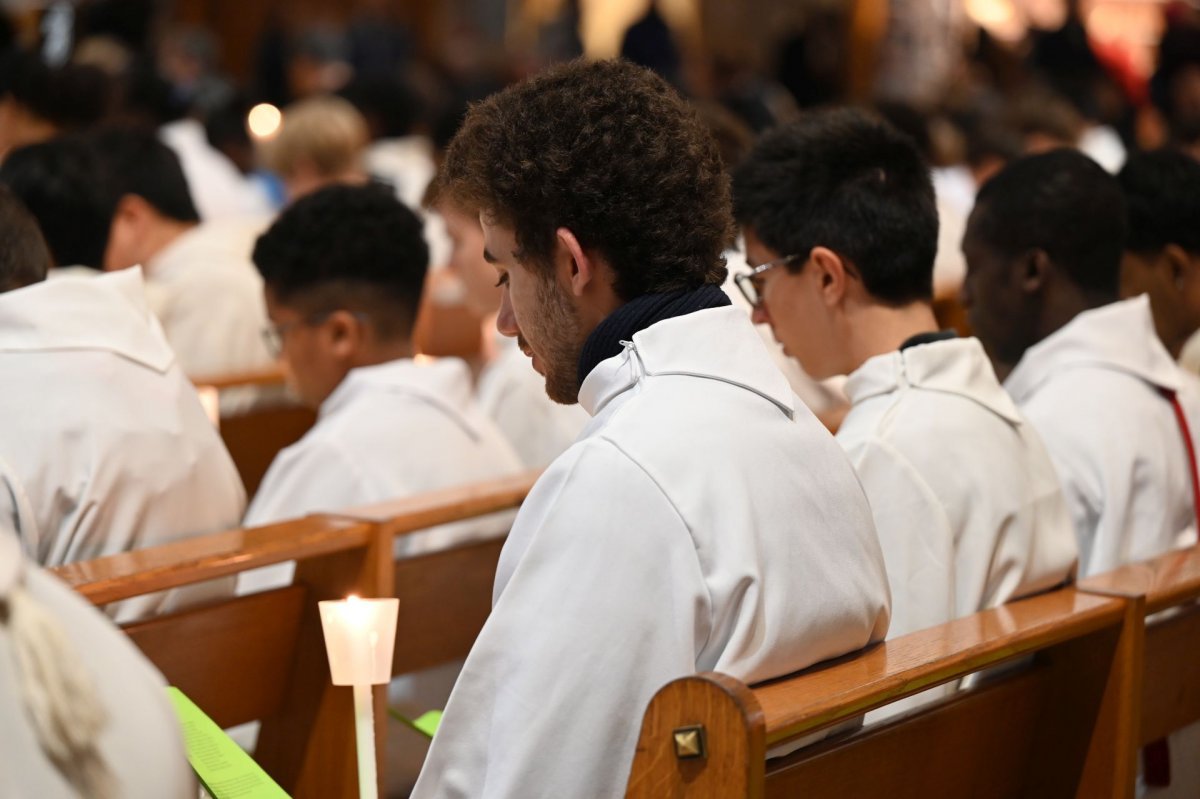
pixel 514 396
pixel 1093 389
pixel 140 743
pixel 105 446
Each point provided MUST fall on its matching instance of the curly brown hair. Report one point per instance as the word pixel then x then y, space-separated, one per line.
pixel 610 151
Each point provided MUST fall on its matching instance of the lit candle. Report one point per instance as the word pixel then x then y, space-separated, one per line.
pixel 360 635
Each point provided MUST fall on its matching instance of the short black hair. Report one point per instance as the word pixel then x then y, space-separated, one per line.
pixel 611 151
pixel 134 161
pixel 1162 189
pixel 348 247
pixel 71 96
pixel 849 181
pixel 24 258
pixel 59 182
pixel 1064 204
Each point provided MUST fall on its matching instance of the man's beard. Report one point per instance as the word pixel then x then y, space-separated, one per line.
pixel 561 343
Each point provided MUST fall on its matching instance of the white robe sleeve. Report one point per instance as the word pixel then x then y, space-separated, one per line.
pixel 605 604
pixel 914 534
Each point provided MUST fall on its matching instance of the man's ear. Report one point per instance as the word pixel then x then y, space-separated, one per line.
pixel 1034 271
pixel 344 333
pixel 573 266
pixel 1180 266
pixel 132 210
pixel 829 270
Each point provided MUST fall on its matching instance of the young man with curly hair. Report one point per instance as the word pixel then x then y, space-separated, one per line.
pixel 704 520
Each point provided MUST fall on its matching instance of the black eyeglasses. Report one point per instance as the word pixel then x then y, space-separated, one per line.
pixel 751 283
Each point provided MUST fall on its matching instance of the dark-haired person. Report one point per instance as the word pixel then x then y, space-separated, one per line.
pixel 58 181
pixel 1043 249
pixel 343 271
pixel 105 447
pixel 38 102
pixel 1162 255
pixel 344 268
pixel 199 279
pixel 704 520
pixel 840 224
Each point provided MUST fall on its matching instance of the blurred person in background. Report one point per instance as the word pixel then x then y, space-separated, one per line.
pixel 321 142
pixel 199 279
pixel 59 181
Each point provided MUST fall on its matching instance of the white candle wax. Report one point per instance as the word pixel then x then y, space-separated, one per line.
pixel 360 635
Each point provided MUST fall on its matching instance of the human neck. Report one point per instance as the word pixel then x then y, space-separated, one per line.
pixel 384 352
pixel 160 236
pixel 875 329
pixel 1068 302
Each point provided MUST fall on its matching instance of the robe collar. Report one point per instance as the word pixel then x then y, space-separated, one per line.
pixel 107 312
pixel 1119 336
pixel 952 366
pixel 444 383
pixel 716 344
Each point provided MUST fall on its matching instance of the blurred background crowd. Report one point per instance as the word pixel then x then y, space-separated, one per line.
pixel 265 100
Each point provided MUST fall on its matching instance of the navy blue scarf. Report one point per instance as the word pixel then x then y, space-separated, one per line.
pixel 638 314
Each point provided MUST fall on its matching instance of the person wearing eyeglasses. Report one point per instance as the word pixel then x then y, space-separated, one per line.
pixel 841 228
pixel 343 271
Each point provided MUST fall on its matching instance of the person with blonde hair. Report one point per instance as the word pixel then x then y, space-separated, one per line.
pixel 320 142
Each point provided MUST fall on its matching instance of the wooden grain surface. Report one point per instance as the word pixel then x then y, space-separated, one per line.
pixel 255 437
pixel 1166 581
pixel 233 659
pixel 263 377
pixel 943 751
pixel 445 597
pixel 430 509
pixel 206 557
pixel 832 693
pixel 733 728
pixel 1171 691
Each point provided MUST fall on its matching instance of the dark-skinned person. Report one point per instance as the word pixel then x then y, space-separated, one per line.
pixel 1044 247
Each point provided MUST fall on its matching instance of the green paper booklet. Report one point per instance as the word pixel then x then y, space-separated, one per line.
pixel 427 724
pixel 225 771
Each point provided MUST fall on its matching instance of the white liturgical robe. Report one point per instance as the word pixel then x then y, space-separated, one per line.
pixel 386 432
pixel 139 743
pixel 704 521
pixel 1095 391
pixel 105 446
pixel 966 501
pixel 514 395
pixel 205 290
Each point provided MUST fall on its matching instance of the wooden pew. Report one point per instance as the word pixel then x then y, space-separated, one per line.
pixel 1058 727
pixel 256 435
pixel 445 596
pixel 262 656
pixel 1170 692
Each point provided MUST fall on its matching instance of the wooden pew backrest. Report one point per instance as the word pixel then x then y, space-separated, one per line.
pixel 1170 585
pixel 258 657
pixel 1060 727
pixel 255 435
